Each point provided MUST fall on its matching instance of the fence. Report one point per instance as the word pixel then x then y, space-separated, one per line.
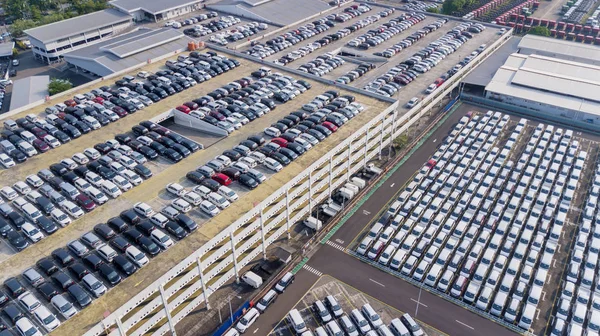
pixel 229 323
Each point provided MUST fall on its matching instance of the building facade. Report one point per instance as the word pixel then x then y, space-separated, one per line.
pixel 156 10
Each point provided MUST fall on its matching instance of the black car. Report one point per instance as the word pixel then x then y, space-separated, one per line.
pixel 78 270
pixel 195 177
pixel 117 225
pixel 149 246
pixel 186 222
pixel 166 142
pixel 120 243
pixel 148 152
pixel 48 290
pixel 250 144
pixel 211 184
pixel 323 130
pixel 79 295
pixel 81 171
pixel 103 148
pixel 130 216
pixel 317 134
pixel 139 130
pixel 17 240
pixel 158 147
pixel 93 261
pixel 190 145
pixel 82 127
pixel 176 230
pixel 46 225
pixel 5 228
pixel 248 181
pixel 145 227
pixel 58 169
pixel 94 166
pixel 289 153
pixel 14 287
pixel 296 147
pixel 133 234
pixel 143 171
pixel 13 312
pixel 173 155
pixel 104 231
pixel 124 265
pixel 233 155
pixel 109 274
pixel 62 280
pixel 63 257
pixel 17 156
pixel 47 266
pixel 107 174
pixel 284 160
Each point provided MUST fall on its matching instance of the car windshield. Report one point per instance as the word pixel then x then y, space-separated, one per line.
pixel 62 217
pixel 96 285
pixel 66 307
pixel 73 209
pixel 30 332
pixel 164 239
pixel 49 319
pixel 139 256
pixel 114 190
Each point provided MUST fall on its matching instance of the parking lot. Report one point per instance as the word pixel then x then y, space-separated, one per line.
pixel 489 224
pixel 348 298
pixel 164 172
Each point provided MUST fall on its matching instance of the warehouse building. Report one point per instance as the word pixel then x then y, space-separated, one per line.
pixel 547 86
pixel 50 42
pixel 277 12
pixel 551 47
pixel 156 10
pixel 128 50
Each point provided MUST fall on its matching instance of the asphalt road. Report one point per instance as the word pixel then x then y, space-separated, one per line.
pixel 433 310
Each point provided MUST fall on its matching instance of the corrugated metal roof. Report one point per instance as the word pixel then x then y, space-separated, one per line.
pixel 80 24
pixel 99 59
pixel 282 12
pixel 138 43
pixel 152 6
pixel 560 48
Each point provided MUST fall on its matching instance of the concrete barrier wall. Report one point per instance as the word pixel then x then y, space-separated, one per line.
pixel 186 120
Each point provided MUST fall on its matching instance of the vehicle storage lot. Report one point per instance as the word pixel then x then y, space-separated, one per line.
pixel 153 192
pixel 348 297
pixel 512 225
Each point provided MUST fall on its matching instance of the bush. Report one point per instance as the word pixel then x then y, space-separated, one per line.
pixel 433 10
pixel 58 85
pixel 401 141
pixel 539 30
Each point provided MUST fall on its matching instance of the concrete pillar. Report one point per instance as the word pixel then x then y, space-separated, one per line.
pixel 202 282
pixel 287 213
pixel 348 163
pixel 235 268
pixel 262 235
pixel 120 327
pixel 381 137
pixel 167 312
pixel 330 173
pixel 366 145
pixel 310 201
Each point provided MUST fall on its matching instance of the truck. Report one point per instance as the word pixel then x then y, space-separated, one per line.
pixel 252 279
pixel 313 223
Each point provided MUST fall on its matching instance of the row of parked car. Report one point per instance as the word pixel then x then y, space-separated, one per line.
pixel 409 40
pixel 244 100
pixel 55 196
pixel 239 33
pixel 322 64
pixel 421 62
pixel 358 72
pixel 191 21
pixel 478 226
pixel 578 306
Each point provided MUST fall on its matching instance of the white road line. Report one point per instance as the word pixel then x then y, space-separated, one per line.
pixel 421 303
pixel 255 330
pixel 379 283
pixel 392 185
pixel 312 270
pixel 466 325
pixel 537 314
pixel 434 140
pixel 339 241
pixel 365 212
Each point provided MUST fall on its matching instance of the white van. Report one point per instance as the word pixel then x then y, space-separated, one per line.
pixel 252 279
pixel 247 320
pixel 295 319
pixel 110 189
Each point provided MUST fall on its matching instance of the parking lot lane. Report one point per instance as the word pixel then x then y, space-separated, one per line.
pixel 165 261
pixel 397 293
pixel 368 211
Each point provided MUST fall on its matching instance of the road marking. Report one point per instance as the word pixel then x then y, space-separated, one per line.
pixel 415 301
pixel 255 330
pixel 537 314
pixel 365 212
pixel 339 241
pixel 379 283
pixel 336 246
pixel 543 296
pixel 312 270
pixel 392 185
pixel 434 140
pixel 466 325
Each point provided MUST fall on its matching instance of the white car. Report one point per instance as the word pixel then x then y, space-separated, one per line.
pixel 60 217
pixel 112 116
pixel 51 141
pixel 80 158
pixel 92 153
pixel 127 162
pixel 412 102
pixel 136 256
pixel 273 165
pixel 143 74
pixel 69 163
pixel 145 140
pixel 132 177
pixel 26 328
pixel 6 161
pixel 34 181
pixel 192 198
pixel 161 239
pixel 143 209
pixel 22 187
pixel 218 200
pixel 8 193
pixel 229 194
pixel 209 208
pixel 122 183
pixel 82 185
pixel 71 209
pixel 46 318
pixel 181 205
pixel 94 179
pixel 176 189
pixel 32 232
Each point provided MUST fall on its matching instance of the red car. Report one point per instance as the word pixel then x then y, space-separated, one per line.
pixel 40 145
pixel 280 141
pixel 70 102
pixel 38 132
pixel 98 100
pixel 222 179
pixel 430 164
pixel 119 111
pixel 217 115
pixel 85 202
pixel 183 109
pixel 330 126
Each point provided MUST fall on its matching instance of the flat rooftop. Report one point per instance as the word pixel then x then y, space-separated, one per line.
pixel 29 90
pixel 281 12
pixel 77 25
pixel 569 50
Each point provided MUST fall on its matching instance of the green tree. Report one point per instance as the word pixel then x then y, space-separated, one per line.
pixel 36 13
pixel 539 30
pixel 58 85
pixel 15 8
pixel 15 52
pixel 451 6
pixel 401 141
pixel 433 10
pixel 17 28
